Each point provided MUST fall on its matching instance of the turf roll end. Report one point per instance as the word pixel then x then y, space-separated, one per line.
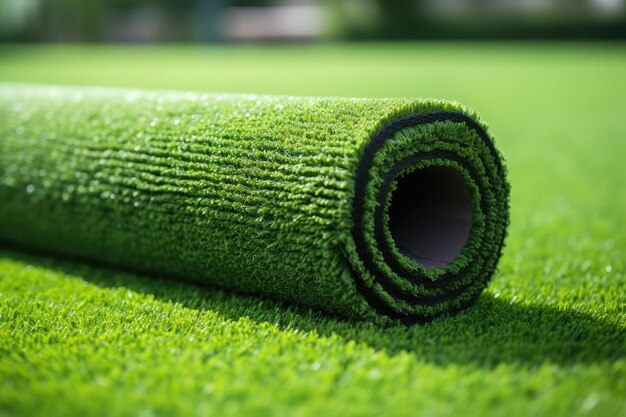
pixel 431 212
pixel 376 209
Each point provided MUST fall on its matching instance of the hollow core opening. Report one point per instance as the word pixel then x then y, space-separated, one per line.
pixel 430 215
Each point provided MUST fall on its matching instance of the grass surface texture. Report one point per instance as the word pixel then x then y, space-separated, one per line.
pixel 546 337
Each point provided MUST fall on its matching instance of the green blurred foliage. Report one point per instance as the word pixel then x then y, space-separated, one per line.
pixel 202 20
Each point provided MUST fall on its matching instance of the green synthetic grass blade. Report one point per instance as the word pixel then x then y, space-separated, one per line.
pixel 376 209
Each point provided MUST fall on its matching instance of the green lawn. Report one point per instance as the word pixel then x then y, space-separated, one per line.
pixel 548 337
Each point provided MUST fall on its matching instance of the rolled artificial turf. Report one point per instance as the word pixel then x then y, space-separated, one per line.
pixel 375 209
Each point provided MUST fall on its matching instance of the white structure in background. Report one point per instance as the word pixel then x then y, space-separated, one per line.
pixel 287 20
pixel 608 7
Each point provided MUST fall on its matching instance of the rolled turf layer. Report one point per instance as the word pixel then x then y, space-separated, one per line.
pixel 375 209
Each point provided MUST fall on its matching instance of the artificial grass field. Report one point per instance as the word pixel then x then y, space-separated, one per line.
pixel 547 336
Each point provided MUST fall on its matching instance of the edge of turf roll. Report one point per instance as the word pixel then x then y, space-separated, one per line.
pixel 467 293
pixel 285 197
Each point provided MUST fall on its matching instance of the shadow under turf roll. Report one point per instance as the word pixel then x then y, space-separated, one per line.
pixel 375 209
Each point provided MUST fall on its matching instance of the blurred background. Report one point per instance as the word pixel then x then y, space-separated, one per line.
pixel 215 21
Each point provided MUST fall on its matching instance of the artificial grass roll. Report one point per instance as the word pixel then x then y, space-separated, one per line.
pixel 376 209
